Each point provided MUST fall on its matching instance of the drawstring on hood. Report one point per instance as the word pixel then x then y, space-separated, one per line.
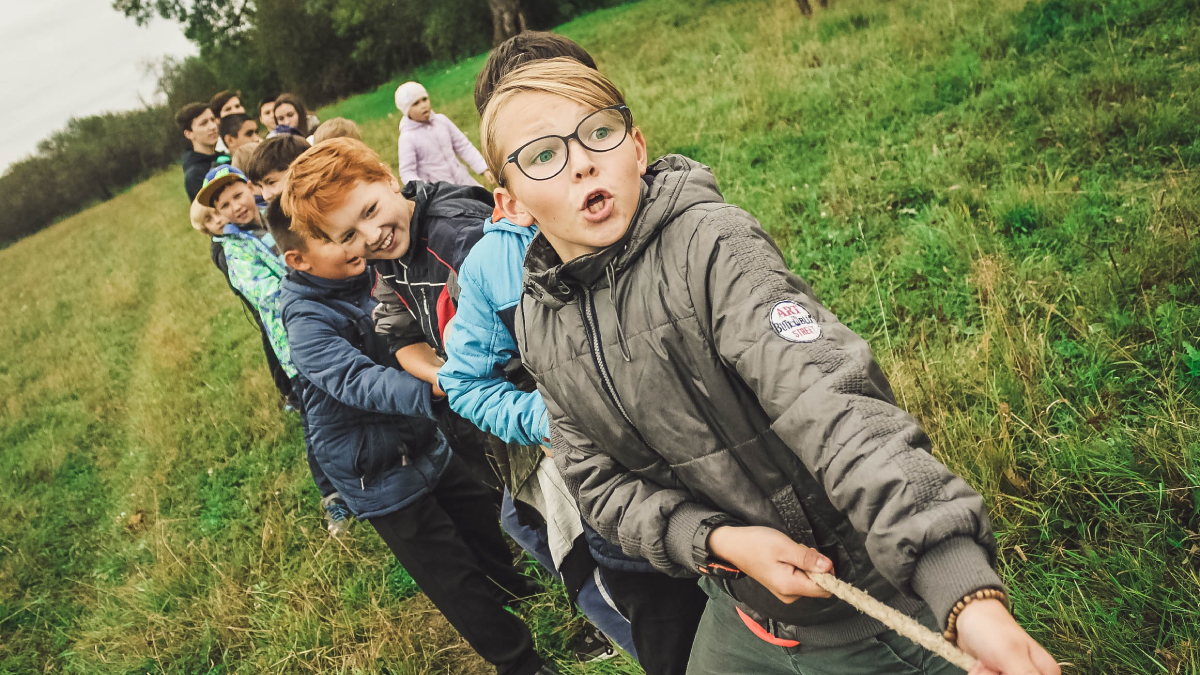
pixel 611 273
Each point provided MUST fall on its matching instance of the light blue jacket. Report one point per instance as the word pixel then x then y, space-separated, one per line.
pixel 482 341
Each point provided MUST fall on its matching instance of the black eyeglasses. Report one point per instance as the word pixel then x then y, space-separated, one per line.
pixel 544 158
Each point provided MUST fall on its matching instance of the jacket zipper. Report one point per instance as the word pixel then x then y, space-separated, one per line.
pixel 588 310
pixel 425 320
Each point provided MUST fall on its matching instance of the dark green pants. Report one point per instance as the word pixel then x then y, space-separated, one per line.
pixel 725 646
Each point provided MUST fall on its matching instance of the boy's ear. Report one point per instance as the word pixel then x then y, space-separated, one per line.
pixel 295 260
pixel 512 208
pixel 392 180
pixel 639 145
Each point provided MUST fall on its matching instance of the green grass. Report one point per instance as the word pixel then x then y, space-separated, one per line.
pixel 998 195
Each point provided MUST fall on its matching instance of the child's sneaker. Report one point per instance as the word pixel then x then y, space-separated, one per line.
pixel 590 645
pixel 337 514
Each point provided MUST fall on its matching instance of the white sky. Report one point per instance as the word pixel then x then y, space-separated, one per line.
pixel 71 58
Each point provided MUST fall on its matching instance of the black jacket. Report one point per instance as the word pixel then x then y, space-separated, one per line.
pixel 418 292
pixel 195 167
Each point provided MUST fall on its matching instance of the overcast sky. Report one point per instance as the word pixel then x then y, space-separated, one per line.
pixel 69 58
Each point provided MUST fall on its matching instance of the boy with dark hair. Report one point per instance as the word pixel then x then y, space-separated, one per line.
pixel 711 415
pixel 266 112
pixel 254 270
pixel 532 45
pixel 374 433
pixel 237 130
pixel 200 128
pixel 269 164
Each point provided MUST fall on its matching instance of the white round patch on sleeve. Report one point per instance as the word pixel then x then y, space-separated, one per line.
pixel 793 323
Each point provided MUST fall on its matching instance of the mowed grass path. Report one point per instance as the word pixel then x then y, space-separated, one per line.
pixel 1002 197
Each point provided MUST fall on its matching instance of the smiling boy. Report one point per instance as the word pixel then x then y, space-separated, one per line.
pixel 254 270
pixel 715 418
pixel 441 522
pixel 416 238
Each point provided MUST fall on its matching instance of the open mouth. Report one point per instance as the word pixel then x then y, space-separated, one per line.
pixel 386 242
pixel 597 205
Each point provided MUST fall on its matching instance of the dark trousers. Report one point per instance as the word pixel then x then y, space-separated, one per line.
pixel 663 612
pixel 472 446
pixel 450 543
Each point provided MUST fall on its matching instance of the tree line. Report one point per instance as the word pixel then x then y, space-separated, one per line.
pixel 321 50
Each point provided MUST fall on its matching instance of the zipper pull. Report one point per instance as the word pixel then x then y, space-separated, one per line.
pixel 363 482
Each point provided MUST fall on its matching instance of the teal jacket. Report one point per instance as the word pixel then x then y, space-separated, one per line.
pixel 255 271
pixel 482 341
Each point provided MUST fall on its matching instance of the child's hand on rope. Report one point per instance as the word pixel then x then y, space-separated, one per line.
pixel 772 559
pixel 989 633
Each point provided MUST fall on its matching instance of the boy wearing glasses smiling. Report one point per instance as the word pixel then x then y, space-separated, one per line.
pixel 713 417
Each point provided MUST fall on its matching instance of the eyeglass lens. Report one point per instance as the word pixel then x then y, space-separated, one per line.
pixel 544 158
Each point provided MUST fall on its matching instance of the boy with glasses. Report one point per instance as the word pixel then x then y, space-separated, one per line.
pixel 713 417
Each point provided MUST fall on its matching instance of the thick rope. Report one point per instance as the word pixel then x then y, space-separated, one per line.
pixel 895 619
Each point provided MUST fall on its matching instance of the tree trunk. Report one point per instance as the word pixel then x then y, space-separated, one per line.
pixel 507 19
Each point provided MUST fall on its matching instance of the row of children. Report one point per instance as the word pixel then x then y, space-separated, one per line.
pixel 662 398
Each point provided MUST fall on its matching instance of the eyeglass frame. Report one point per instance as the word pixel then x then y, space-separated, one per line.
pixel 626 114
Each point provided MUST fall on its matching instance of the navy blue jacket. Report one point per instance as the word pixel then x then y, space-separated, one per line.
pixel 371 424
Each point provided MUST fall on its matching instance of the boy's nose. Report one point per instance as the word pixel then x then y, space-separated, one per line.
pixel 579 160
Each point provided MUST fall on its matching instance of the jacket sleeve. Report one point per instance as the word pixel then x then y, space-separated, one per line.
pixel 262 291
pixel 407 165
pixel 465 150
pixel 926 529
pixel 645 518
pixel 328 361
pixel 473 377
pixel 393 320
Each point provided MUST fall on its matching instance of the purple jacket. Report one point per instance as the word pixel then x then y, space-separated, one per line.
pixel 428 152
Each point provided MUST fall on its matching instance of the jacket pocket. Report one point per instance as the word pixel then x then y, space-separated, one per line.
pixel 381 448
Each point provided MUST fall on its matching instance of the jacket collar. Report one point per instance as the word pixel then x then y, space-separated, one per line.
pixel 672 184
pixel 310 286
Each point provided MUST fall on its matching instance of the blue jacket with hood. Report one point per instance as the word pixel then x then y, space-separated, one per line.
pixel 371 424
pixel 483 340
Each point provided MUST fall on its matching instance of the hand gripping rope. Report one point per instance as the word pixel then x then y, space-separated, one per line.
pixel 896 620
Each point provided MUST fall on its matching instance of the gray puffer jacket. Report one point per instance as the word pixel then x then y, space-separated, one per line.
pixel 688 373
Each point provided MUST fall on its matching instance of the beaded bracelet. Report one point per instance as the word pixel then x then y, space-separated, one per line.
pixel 951 633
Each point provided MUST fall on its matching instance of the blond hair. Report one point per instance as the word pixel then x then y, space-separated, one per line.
pixel 338 127
pixel 564 77
pixel 198 214
pixel 241 157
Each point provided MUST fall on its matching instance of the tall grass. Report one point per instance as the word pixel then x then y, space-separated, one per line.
pixel 998 195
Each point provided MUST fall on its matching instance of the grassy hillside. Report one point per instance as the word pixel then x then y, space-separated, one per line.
pixel 997 195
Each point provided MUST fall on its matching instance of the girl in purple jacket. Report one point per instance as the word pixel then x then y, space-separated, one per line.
pixel 430 145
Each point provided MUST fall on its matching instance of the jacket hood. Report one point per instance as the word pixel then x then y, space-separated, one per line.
pixel 505 225
pixel 672 185
pixel 304 286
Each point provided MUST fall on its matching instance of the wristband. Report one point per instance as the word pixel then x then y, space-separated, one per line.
pixel 706 563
